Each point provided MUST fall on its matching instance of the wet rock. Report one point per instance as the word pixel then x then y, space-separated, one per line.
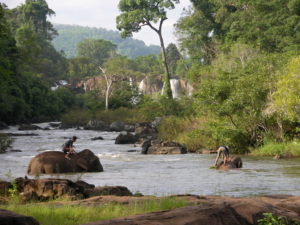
pixel 162 148
pixel 129 128
pixel 11 218
pixel 15 150
pixel 96 125
pixel 19 135
pixel 3 125
pixel 145 145
pixel 29 127
pixel 117 126
pixel 52 188
pixel 55 124
pixel 145 130
pixel 126 138
pixel 64 126
pixel 97 138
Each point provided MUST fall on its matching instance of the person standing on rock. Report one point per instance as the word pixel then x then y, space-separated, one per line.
pixel 224 150
pixel 68 147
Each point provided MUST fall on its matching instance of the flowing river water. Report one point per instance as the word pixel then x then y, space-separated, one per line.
pixel 154 174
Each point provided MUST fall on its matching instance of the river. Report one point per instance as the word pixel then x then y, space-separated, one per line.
pixel 154 174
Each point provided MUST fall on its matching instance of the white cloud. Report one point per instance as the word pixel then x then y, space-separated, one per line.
pixel 102 13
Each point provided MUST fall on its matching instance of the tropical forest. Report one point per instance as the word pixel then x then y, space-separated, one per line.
pixel 98 127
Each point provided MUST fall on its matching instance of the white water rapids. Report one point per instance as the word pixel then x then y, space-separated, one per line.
pixel 154 174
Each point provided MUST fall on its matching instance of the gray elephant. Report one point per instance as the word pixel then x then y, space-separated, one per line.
pixel 235 162
pixel 55 162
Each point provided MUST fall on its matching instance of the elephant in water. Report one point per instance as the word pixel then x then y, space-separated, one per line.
pixel 55 162
pixel 235 162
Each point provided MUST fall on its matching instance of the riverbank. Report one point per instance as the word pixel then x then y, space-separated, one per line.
pixel 175 210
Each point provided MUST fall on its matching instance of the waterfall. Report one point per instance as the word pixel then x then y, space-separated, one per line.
pixel 175 87
pixel 142 86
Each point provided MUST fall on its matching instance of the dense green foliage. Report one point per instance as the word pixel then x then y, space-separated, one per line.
pixel 242 60
pixel 70 35
pixel 73 215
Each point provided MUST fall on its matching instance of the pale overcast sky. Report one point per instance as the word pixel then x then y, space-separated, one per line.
pixel 102 13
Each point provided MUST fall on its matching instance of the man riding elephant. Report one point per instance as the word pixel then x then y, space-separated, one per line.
pixel 227 162
pixel 55 162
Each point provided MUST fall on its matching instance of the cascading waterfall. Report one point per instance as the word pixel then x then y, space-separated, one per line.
pixel 175 87
pixel 142 86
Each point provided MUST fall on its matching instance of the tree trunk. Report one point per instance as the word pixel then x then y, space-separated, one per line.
pixel 167 86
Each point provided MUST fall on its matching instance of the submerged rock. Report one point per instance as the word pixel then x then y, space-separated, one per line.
pixel 126 138
pixel 96 125
pixel 162 148
pixel 29 127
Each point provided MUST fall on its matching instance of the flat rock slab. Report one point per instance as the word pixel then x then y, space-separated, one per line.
pixel 11 218
pixel 217 211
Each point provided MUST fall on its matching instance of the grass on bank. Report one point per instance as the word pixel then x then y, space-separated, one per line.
pixel 272 149
pixel 72 215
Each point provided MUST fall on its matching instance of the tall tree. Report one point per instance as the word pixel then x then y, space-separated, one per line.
pixel 97 50
pixel 115 70
pixel 173 56
pixel 138 13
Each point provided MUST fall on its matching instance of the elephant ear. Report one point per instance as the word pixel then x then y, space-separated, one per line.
pixel 83 164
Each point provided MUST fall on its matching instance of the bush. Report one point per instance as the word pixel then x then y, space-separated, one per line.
pixel 270 219
pixel 5 142
pixel 76 118
pixel 272 149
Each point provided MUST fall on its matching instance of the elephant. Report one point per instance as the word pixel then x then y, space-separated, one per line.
pixel 55 162
pixel 235 162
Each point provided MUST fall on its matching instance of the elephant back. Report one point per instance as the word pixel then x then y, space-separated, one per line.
pixel 55 162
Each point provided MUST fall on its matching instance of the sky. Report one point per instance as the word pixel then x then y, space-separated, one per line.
pixel 103 13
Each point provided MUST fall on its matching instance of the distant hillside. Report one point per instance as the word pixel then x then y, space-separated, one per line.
pixel 70 35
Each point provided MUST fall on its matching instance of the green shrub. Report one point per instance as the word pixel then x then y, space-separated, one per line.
pixel 76 118
pixel 270 219
pixel 271 149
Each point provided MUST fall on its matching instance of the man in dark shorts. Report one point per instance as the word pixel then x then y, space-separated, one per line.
pixel 224 150
pixel 68 147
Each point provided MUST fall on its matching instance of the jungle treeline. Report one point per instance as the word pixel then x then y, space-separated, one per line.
pixel 242 59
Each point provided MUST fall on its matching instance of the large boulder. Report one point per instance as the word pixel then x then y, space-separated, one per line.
pixel 217 211
pixel 126 138
pixel 55 162
pixel 29 127
pixel 117 126
pixel 11 218
pixel 96 125
pixel 162 148
pixel 52 188
pixel 109 190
